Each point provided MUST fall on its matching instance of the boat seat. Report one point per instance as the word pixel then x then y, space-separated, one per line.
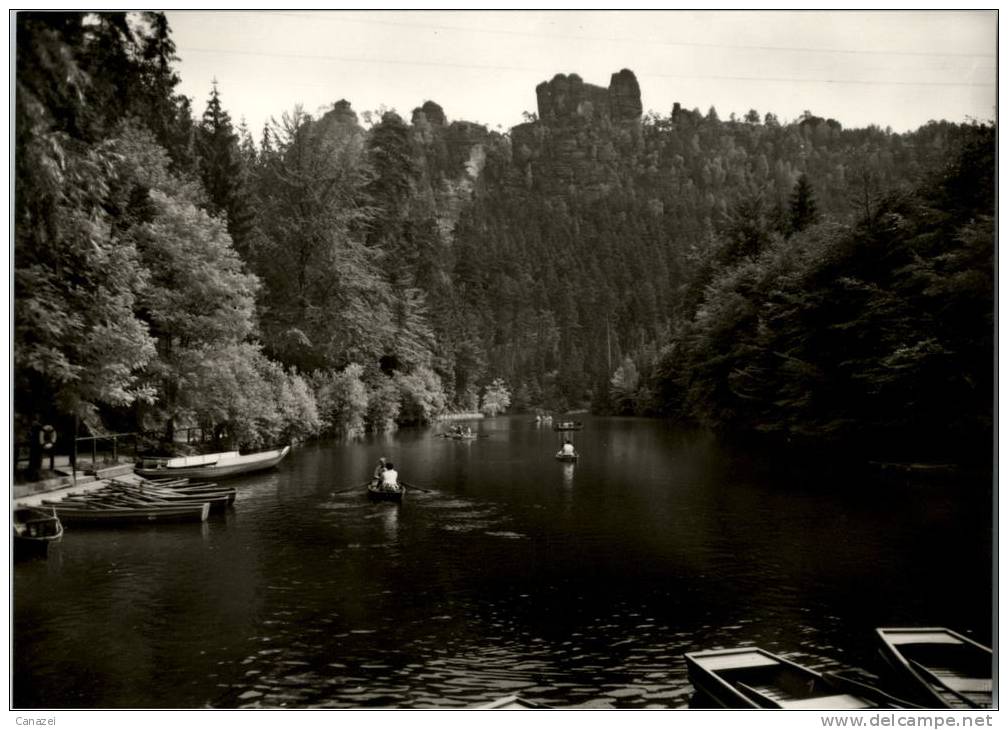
pixel 764 695
pixel 954 680
pixel 826 702
pixel 968 684
pixel 736 660
pixel 898 638
pixel 773 692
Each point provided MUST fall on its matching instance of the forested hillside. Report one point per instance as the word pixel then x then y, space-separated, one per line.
pixel 792 279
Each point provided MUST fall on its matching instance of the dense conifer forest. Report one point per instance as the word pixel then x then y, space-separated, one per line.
pixel 335 272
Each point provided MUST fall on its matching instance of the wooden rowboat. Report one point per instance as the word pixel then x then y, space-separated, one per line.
pixel 35 529
pixel 568 426
pixel 228 465
pixel 388 495
pixel 120 494
pixel 218 503
pixel 104 514
pixel 186 487
pixel 219 498
pixel 750 677
pixel 939 667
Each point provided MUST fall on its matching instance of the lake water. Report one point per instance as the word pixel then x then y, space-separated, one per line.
pixel 513 574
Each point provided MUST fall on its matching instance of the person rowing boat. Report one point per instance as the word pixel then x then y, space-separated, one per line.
pixel 386 486
pixel 390 478
pixel 379 470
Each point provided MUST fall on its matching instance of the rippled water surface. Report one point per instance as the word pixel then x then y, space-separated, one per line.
pixel 512 574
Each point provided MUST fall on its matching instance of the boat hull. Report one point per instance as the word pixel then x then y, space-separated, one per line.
pixel 750 677
pixel 385 495
pixel 34 530
pixel 106 516
pixel 939 667
pixel 223 469
pixel 137 495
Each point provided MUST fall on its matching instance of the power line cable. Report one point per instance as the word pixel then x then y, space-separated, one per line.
pixel 485 67
pixel 638 41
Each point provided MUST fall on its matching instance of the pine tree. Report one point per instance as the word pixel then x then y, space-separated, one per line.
pixel 218 146
pixel 324 305
pixel 748 230
pixel 166 113
pixel 803 205
pixel 246 146
pixel 223 173
pixel 110 56
pixel 390 156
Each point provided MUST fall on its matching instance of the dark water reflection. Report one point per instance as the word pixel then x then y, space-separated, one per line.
pixel 513 574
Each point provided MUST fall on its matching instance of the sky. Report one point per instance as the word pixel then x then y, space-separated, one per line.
pixel 897 69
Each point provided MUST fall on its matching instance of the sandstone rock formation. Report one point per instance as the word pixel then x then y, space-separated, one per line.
pixel 582 132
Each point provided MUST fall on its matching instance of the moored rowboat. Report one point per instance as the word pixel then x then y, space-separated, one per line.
pixel 102 513
pixel 750 677
pixel 125 494
pixel 227 465
pixel 35 529
pixel 939 667
pixel 198 493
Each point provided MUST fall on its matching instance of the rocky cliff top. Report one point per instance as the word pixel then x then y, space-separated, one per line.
pixel 431 112
pixel 343 113
pixel 582 136
pixel 569 98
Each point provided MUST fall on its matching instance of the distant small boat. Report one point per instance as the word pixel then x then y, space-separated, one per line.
pixel 561 456
pixel 512 702
pixel 940 667
pixel 750 677
pixel 568 426
pixel 383 494
pixel 35 529
pixel 228 464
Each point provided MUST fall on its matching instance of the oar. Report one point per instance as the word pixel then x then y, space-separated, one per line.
pixel 410 485
pixel 351 489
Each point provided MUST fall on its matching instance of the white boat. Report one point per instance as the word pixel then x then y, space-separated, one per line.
pixel 216 466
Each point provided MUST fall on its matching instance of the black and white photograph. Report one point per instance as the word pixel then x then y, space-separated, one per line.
pixel 592 361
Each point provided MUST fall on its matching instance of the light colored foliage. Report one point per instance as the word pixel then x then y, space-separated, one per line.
pixel 383 406
pixel 343 400
pixel 496 398
pixel 625 383
pixel 76 284
pixel 421 396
